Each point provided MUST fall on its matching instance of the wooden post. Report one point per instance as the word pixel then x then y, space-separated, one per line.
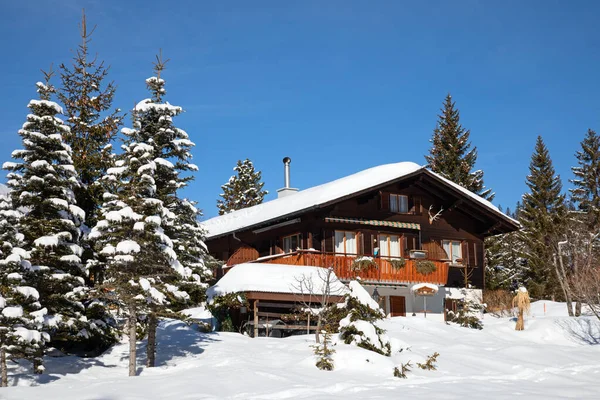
pixel 255 318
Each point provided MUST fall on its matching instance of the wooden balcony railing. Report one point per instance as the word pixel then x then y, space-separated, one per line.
pixel 384 273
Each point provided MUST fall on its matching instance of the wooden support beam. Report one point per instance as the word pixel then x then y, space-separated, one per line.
pixel 256 318
pixel 277 305
pixel 269 314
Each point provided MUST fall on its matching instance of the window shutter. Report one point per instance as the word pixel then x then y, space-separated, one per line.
pixel 384 201
pixel 367 244
pixel 328 241
pixel 473 259
pixel 465 253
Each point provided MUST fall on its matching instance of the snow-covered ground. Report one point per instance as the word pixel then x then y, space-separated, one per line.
pixel 555 357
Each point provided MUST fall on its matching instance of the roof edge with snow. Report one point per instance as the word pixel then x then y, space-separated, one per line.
pixel 331 192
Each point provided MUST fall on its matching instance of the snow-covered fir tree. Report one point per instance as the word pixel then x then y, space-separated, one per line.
pixel 586 191
pixel 139 262
pixel 505 267
pixel 173 168
pixel 542 216
pixel 359 327
pixel 244 189
pixel 173 173
pixel 42 185
pixel 451 154
pixel 21 315
pixel 140 210
pixel 93 122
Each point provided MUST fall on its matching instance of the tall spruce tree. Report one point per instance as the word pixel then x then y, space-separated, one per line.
pixel 586 191
pixel 145 225
pixel 92 120
pixel 451 155
pixel 242 190
pixel 542 216
pixel 172 157
pixel 139 260
pixel 505 267
pixel 42 185
pixel 21 315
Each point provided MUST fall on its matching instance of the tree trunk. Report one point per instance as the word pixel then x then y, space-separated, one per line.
pixel 578 308
pixel 38 362
pixel 562 281
pixel 4 374
pixel 151 346
pixel 132 340
pixel 318 331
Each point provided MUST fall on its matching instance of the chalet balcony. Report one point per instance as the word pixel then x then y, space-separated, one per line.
pixel 383 273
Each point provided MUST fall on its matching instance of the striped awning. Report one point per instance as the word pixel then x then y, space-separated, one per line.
pixel 375 222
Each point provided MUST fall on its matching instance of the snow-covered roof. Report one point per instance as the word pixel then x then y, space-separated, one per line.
pixel 424 285
pixel 274 278
pixel 323 194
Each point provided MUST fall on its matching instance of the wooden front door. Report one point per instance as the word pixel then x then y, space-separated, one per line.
pixel 398 306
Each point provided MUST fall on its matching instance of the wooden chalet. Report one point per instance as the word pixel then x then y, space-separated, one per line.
pixel 394 211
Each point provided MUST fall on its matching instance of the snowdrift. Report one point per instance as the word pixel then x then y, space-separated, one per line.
pixel 556 357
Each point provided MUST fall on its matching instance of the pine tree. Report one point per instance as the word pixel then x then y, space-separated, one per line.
pixel 92 121
pixel 21 316
pixel 172 160
pixel 139 260
pixel 172 143
pixel 586 191
pixel 360 327
pixel 242 190
pixel 505 267
pixel 42 185
pixel 542 216
pixel 451 154
pixel 142 269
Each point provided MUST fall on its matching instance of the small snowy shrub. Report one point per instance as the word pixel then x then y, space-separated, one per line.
pixel 401 372
pixel 398 263
pixel 363 264
pixel 425 267
pixel 429 364
pixel 324 352
pixel 467 314
pixel 359 326
pixel 220 308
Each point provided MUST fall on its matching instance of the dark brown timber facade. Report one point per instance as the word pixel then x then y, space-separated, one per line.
pixel 416 216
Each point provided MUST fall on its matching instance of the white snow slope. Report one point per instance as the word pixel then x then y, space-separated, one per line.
pixel 556 357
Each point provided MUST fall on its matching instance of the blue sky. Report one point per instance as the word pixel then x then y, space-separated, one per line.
pixel 339 86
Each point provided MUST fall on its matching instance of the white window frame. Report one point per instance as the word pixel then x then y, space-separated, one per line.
pixel 385 245
pixel 288 248
pixel 345 242
pixel 449 247
pixel 399 203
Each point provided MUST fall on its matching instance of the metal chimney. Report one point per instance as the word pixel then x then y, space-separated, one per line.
pixel 286 190
pixel 286 172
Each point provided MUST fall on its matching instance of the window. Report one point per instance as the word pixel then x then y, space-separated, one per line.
pixel 345 242
pixel 453 250
pixel 292 243
pixel 389 245
pixel 398 203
